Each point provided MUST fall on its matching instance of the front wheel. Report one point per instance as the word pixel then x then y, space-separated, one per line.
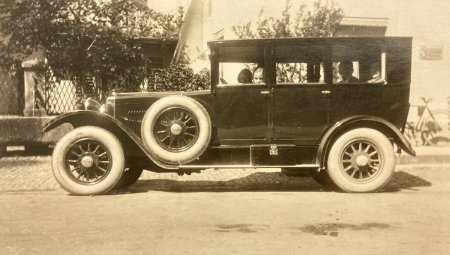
pixel 88 161
pixel 361 160
pixel 129 177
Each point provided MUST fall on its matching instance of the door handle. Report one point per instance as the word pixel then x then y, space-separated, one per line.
pixel 265 92
pixel 326 92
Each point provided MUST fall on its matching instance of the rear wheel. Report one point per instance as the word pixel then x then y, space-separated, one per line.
pixel 322 178
pixel 88 161
pixel 361 160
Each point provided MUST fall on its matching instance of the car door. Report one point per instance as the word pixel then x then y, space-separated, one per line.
pixel 241 109
pixel 300 95
pixel 241 113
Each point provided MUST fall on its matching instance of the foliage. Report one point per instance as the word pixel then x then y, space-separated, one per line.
pixel 320 21
pixel 181 78
pixel 175 77
pixel 87 37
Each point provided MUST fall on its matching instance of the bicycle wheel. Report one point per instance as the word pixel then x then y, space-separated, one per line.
pixel 439 127
pixel 442 117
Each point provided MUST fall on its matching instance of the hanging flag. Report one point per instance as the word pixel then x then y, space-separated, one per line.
pixel 192 48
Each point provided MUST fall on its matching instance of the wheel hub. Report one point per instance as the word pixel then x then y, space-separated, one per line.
pixel 87 161
pixel 362 160
pixel 176 129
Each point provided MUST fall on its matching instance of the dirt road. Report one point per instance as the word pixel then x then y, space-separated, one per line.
pixel 252 216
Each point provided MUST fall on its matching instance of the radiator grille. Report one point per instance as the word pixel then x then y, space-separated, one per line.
pixel 134 118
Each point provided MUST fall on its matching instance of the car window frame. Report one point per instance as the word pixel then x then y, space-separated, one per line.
pixel 324 61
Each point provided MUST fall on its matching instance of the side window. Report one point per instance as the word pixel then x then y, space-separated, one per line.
pixel 236 73
pixel 299 64
pixel 358 63
pixel 241 65
pixel 346 71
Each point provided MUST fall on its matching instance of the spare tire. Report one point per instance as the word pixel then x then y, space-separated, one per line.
pixel 176 129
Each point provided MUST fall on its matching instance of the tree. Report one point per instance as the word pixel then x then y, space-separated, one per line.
pixel 83 36
pixel 320 21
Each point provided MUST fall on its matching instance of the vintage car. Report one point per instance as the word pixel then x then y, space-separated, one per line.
pixel 332 106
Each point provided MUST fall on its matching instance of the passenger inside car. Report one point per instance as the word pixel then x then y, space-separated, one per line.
pixel 375 73
pixel 258 75
pixel 346 72
pixel 245 76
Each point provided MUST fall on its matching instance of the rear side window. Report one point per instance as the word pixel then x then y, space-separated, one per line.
pixel 358 63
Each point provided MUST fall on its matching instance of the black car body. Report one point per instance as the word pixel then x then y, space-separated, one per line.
pixel 293 120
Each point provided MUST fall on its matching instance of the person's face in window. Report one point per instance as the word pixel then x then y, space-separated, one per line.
pixel 245 76
pixel 346 70
pixel 258 76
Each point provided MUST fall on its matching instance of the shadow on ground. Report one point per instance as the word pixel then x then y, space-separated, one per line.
pixel 403 180
pixel 263 182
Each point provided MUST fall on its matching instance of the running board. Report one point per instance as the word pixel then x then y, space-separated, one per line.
pixel 248 166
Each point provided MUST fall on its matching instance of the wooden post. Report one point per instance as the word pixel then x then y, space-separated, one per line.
pixel 34 81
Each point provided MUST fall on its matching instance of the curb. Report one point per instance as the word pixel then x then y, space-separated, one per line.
pixel 423 159
pixel 427 155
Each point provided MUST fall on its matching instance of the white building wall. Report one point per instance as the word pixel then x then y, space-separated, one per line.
pixel 428 22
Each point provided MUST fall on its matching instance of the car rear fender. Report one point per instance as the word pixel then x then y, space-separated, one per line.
pixel 92 118
pixel 340 127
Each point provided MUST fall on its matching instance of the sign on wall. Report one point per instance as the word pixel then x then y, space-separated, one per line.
pixel 431 52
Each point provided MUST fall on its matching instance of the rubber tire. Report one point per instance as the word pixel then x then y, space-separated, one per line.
pixel 129 177
pixel 442 137
pixel 323 179
pixel 193 107
pixel 104 137
pixel 385 149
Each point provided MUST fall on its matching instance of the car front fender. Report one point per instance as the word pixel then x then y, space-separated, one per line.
pixel 344 125
pixel 113 125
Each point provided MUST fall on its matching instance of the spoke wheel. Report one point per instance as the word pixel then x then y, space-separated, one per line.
pixel 176 129
pixel 361 160
pixel 88 161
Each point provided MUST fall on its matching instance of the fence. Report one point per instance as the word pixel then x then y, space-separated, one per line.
pixel 60 92
pixel 63 91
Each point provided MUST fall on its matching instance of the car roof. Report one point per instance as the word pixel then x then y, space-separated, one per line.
pixel 287 41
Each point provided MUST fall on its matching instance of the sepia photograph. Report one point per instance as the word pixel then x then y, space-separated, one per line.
pixel 224 127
